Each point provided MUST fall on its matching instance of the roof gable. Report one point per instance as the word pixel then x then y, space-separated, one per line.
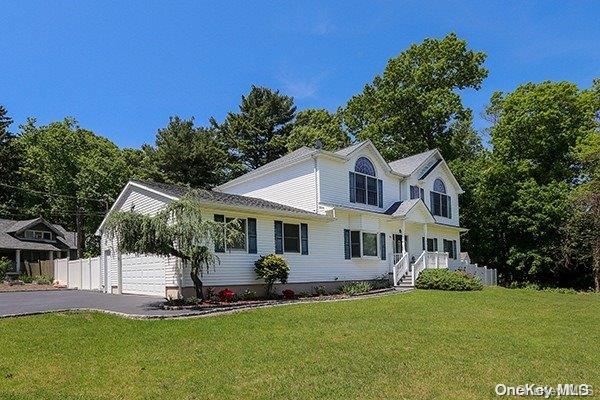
pixel 408 165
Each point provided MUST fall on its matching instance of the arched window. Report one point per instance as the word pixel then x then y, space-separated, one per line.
pixel 441 203
pixel 365 188
pixel 364 166
pixel 438 186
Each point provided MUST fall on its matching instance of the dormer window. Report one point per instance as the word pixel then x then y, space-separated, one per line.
pixel 38 235
pixel 365 188
pixel 441 203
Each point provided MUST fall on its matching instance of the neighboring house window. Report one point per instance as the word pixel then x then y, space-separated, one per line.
pixel 450 248
pixel 291 238
pixel 432 244
pixel 38 235
pixel 365 188
pixel 440 202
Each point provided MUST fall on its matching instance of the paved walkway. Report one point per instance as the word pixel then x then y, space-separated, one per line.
pixel 128 305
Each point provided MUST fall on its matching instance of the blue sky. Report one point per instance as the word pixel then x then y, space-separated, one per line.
pixel 122 68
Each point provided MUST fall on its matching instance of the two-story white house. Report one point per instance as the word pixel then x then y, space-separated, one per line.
pixel 336 217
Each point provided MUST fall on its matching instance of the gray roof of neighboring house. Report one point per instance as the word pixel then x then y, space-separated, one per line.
pixel 212 196
pixel 295 155
pixel 7 241
pixel 408 165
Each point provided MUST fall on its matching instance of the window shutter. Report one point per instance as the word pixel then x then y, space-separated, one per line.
pixel 382 245
pixel 449 207
pixel 454 250
pixel 423 241
pixel 380 192
pixel 304 238
pixel 352 188
pixel 278 237
pixel 220 244
pixel 347 244
pixel 252 235
pixel 435 244
pixel 422 192
pixel 431 203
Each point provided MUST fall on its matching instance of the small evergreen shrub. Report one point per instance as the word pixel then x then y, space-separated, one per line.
pixel 320 290
pixel 444 279
pixel 382 281
pixel 271 268
pixel 248 295
pixel 356 288
pixel 5 265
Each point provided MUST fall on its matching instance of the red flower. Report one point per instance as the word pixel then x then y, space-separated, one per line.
pixel 288 294
pixel 226 295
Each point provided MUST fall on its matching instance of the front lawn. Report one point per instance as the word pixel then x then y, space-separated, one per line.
pixel 416 345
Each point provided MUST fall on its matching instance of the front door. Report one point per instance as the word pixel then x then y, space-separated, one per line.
pixel 398 243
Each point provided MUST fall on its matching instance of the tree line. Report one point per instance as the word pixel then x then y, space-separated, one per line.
pixel 531 201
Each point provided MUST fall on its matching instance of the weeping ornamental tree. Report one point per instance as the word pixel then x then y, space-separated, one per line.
pixel 178 230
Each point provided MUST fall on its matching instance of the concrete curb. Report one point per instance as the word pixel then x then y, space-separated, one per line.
pixel 207 313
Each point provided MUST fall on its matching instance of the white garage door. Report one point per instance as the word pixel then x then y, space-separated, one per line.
pixel 144 275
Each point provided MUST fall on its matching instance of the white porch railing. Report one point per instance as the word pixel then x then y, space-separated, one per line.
pixel 401 267
pixel 429 259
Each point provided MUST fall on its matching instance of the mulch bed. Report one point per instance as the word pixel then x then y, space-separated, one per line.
pixel 28 287
pixel 218 305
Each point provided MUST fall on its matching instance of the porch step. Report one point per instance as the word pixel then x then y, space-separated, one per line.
pixel 406 281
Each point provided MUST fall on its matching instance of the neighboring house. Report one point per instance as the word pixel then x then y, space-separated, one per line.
pixel 335 216
pixel 33 240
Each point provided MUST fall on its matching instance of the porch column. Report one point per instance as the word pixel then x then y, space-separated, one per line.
pixel 403 236
pixel 425 235
pixel 51 255
pixel 18 260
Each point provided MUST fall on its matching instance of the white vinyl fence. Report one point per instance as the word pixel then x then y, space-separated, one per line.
pixel 487 276
pixel 78 274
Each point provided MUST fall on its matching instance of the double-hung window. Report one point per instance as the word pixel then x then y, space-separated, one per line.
pixel 363 244
pixel 234 237
pixel 291 238
pixel 365 188
pixel 417 192
pixel 441 203
pixel 450 248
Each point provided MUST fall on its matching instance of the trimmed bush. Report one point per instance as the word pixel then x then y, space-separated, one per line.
pixel 5 265
pixel 444 279
pixel 288 294
pixel 356 288
pixel 271 268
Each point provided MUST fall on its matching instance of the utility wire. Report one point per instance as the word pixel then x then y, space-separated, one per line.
pixel 104 201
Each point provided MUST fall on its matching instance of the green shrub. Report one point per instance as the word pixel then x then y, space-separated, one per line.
pixel 42 279
pixel 356 288
pixel 320 290
pixel 382 281
pixel 5 266
pixel 444 279
pixel 271 268
pixel 26 278
pixel 248 295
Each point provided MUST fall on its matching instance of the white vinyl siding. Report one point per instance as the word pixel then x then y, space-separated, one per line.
pixel 293 186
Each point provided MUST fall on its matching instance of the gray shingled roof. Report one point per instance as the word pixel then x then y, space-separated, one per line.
pixel 289 158
pixel 7 241
pixel 212 196
pixel 401 207
pixel 347 150
pixel 408 165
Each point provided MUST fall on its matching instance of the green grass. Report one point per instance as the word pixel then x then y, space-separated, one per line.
pixel 424 344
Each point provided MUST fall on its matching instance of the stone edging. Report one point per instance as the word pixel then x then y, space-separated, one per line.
pixel 208 313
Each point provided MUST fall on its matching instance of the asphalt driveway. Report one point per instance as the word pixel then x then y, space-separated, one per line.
pixel 25 303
